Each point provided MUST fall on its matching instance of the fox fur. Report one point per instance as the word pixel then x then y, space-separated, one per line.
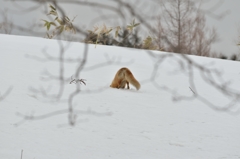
pixel 123 77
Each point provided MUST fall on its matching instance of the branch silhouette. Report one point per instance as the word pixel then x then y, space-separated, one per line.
pixel 5 94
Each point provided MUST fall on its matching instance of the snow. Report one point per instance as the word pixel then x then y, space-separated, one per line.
pixel 130 124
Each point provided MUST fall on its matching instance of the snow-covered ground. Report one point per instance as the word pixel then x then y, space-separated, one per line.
pixel 132 124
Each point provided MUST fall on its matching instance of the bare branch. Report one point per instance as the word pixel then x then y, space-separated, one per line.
pixel 77 80
pixel 2 97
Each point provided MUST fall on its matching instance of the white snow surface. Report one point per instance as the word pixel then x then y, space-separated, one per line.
pixel 144 124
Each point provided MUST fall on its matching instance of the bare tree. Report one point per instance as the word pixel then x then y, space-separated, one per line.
pixel 182 28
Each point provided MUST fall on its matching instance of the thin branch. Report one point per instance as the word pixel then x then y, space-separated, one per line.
pixel 192 90
pixel 2 97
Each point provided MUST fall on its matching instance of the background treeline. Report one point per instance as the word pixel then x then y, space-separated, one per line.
pixel 180 28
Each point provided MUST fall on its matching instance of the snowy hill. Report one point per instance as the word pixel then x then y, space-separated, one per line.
pixel 111 123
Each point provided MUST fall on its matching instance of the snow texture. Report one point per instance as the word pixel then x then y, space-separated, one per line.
pixel 119 124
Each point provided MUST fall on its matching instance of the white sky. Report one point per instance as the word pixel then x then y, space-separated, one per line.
pixel 227 27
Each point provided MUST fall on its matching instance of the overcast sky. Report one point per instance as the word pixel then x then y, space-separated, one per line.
pixel 227 27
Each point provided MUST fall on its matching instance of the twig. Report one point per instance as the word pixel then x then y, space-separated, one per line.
pixel 2 97
pixel 77 80
pixel 192 90
pixel 21 154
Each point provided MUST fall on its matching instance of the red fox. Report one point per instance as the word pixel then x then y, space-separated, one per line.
pixel 124 76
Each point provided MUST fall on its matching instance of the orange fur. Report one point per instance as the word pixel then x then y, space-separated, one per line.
pixel 123 77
